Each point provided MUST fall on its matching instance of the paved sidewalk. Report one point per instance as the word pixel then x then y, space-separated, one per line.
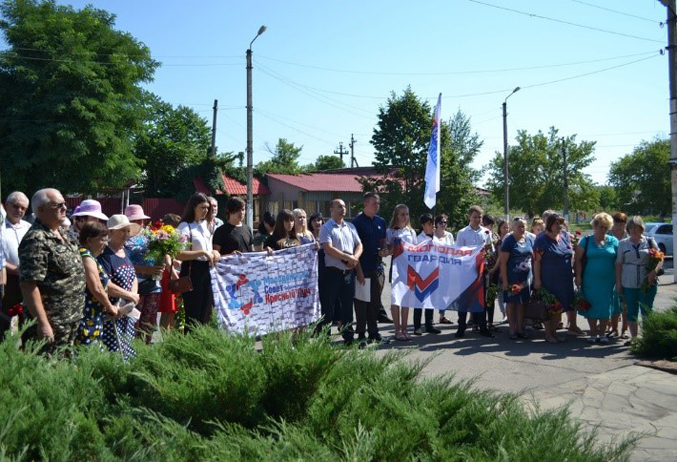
pixel 601 383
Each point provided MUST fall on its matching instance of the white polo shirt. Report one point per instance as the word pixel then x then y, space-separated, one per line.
pixel 11 238
pixel 343 237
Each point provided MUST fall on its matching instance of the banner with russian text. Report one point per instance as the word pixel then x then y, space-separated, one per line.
pixel 258 294
pixel 433 275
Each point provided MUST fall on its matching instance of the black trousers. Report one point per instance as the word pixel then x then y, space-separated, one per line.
pixel 366 313
pixel 198 302
pixel 338 285
pixel 428 318
pixel 478 318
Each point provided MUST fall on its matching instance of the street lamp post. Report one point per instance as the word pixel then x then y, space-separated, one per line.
pixel 505 153
pixel 250 150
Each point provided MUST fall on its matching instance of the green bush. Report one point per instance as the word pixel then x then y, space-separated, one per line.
pixel 212 396
pixel 659 336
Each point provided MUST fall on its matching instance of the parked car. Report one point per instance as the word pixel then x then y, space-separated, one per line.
pixel 662 233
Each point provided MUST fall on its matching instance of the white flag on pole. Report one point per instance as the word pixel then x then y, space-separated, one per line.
pixel 432 168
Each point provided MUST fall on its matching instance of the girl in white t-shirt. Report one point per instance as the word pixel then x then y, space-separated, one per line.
pixel 399 232
pixel 196 260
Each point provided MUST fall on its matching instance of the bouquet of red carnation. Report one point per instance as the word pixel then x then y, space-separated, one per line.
pixel 553 305
pixel 580 302
pixel 655 257
pixel 16 310
pixel 575 237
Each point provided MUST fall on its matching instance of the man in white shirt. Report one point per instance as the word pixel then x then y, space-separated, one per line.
pixel 4 322
pixel 473 235
pixel 342 251
pixel 13 231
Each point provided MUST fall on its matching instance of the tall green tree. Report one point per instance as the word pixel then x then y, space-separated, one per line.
pixel 642 179
pixel 285 159
pixel 172 141
pixel 324 162
pixel 536 173
pixel 70 97
pixel 401 140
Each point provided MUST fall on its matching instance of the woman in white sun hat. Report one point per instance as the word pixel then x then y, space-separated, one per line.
pixel 123 284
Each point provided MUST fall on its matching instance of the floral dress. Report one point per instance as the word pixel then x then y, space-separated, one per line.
pixel 91 325
pixel 118 335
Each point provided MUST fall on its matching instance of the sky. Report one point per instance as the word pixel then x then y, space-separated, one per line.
pixel 322 69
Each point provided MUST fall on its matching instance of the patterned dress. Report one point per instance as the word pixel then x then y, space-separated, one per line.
pixel 91 325
pixel 121 271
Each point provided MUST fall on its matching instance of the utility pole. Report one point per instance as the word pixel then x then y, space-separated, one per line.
pixel 672 63
pixel 250 149
pixel 353 162
pixel 340 151
pixel 506 185
pixel 566 182
pixel 213 148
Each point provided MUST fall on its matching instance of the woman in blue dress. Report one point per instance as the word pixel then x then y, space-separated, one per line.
pixel 93 238
pixel 116 263
pixel 515 260
pixel 597 278
pixel 553 254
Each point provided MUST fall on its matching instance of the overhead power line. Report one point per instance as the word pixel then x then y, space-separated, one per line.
pixel 569 23
pixel 617 12
pixel 474 71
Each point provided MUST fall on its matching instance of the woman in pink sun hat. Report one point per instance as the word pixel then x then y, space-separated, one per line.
pixel 148 274
pixel 88 210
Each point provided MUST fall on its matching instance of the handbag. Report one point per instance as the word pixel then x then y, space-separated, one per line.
pixel 184 283
pixel 536 309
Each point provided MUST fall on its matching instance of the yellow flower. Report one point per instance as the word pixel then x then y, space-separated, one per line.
pixel 168 228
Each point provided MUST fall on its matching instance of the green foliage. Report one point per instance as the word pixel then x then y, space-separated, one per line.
pixel 173 140
pixel 70 97
pixel 285 159
pixel 536 173
pixel 659 336
pixel 642 179
pixel 212 396
pixel 401 140
pixel 323 163
pixel 608 198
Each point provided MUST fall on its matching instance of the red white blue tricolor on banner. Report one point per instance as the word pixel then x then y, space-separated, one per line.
pixel 432 168
pixel 434 275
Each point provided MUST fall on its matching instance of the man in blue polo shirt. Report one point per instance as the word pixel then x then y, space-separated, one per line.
pixel 342 250
pixel 372 231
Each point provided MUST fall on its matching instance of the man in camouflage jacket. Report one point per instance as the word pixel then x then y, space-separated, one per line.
pixel 51 272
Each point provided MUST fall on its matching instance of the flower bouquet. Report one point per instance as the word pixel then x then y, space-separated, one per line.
pixel 492 293
pixel 580 302
pixel 655 257
pixel 163 240
pixel 553 305
pixel 575 238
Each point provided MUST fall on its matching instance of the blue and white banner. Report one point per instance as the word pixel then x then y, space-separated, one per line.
pixel 433 275
pixel 432 167
pixel 258 294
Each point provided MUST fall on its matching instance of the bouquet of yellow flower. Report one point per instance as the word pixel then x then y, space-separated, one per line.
pixel 163 240
pixel 655 257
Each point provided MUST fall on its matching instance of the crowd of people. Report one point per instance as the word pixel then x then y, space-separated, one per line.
pixel 88 280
